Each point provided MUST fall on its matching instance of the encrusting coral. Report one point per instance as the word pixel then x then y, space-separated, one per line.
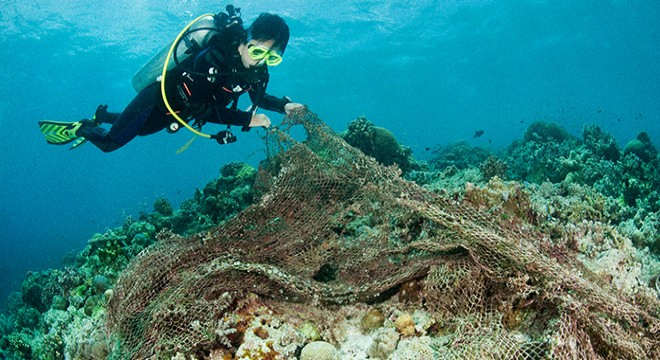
pixel 319 350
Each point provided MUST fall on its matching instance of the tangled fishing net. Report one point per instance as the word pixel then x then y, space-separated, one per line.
pixel 334 228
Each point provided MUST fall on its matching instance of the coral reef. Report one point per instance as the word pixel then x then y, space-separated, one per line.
pixel 319 350
pixel 591 175
pixel 539 159
pixel 380 144
pixel 460 155
pixel 544 132
pixel 493 167
pixel 61 312
pixel 601 144
pixel 591 209
pixel 642 147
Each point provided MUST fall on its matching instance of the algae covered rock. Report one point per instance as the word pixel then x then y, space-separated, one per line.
pixel 373 319
pixel 100 284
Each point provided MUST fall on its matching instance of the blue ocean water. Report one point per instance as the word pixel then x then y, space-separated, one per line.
pixel 432 72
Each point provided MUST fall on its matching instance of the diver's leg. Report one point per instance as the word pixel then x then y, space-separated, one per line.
pixel 97 136
pixel 102 116
pixel 126 126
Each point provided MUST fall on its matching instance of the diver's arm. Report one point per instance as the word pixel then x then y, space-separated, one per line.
pixel 221 115
pixel 265 101
pixel 272 103
pixel 281 105
pixel 260 98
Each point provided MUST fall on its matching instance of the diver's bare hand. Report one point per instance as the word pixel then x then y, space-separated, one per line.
pixel 260 120
pixel 288 108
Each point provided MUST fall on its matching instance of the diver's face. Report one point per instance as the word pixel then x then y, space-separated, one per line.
pixel 247 60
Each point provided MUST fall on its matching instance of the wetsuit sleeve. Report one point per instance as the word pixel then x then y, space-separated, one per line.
pixel 273 103
pixel 221 115
pixel 263 100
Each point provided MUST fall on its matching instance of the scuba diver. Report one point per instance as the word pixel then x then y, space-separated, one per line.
pixel 215 61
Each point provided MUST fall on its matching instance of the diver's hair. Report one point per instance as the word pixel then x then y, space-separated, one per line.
pixel 270 27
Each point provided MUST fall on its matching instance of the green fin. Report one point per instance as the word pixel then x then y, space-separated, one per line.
pixel 59 132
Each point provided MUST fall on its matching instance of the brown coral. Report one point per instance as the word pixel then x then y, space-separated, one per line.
pixel 405 325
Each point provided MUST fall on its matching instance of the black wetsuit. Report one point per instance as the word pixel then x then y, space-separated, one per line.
pixel 206 99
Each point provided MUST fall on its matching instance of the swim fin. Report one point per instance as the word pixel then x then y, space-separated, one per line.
pixel 77 142
pixel 59 132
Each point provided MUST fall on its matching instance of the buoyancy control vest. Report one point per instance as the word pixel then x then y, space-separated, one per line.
pixel 229 27
pixel 195 39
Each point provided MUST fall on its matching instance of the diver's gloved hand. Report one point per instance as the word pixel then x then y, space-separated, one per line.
pixel 291 107
pixel 259 120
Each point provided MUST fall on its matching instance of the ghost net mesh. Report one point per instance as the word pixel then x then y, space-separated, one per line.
pixel 334 228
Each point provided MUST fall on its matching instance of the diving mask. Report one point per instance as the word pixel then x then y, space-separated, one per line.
pixel 259 53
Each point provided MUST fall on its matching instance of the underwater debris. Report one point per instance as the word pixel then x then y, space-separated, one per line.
pixel 464 257
pixel 541 271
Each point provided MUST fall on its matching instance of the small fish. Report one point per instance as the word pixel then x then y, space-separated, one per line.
pixel 478 133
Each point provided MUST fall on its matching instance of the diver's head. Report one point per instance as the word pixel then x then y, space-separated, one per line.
pixel 268 37
pixel 270 27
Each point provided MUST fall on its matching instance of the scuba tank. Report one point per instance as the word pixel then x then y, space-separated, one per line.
pixel 194 39
pixel 198 35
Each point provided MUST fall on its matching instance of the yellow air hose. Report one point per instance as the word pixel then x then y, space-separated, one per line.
pixel 164 73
